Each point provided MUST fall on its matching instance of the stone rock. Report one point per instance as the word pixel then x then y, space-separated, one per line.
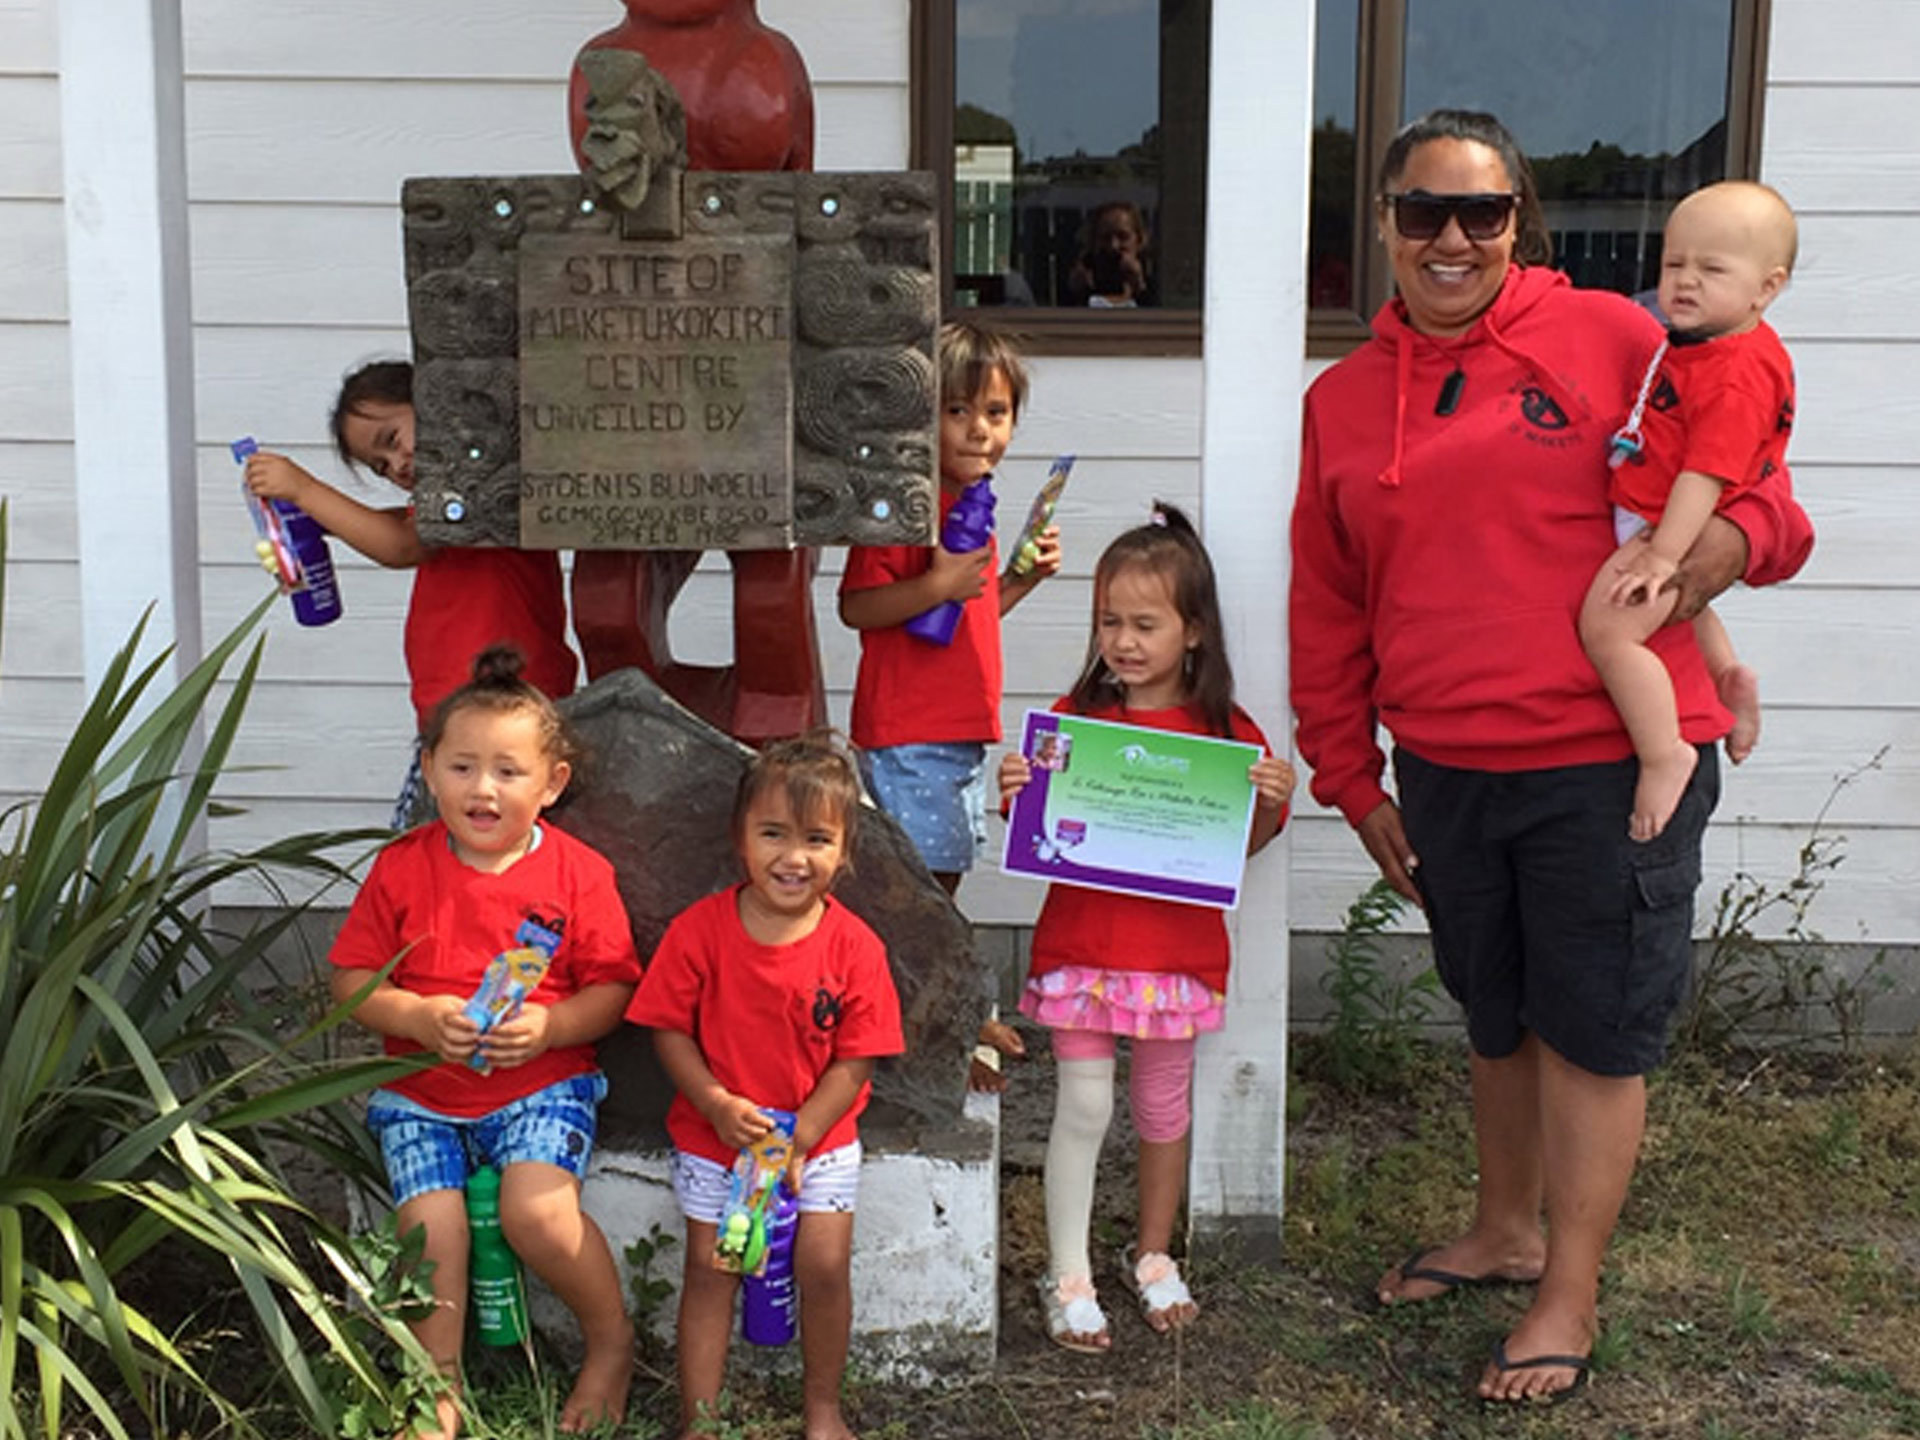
pixel 653 792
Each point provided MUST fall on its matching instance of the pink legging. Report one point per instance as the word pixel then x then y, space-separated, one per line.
pixel 1159 1084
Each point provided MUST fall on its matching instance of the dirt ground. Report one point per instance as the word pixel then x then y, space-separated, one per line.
pixel 1764 1282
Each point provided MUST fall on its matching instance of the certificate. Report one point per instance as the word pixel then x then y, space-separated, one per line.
pixel 1123 807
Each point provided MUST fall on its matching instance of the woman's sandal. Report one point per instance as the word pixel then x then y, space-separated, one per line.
pixel 1075 1320
pixel 1157 1283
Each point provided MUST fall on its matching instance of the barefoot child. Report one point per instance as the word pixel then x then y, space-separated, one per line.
pixel 447 897
pixel 773 994
pixel 924 714
pixel 1154 970
pixel 1717 406
pixel 464 598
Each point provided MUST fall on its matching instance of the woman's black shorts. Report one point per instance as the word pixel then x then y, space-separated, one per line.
pixel 1546 916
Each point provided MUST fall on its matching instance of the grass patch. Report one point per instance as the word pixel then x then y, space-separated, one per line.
pixel 1765 1282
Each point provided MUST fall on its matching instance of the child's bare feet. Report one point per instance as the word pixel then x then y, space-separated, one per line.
pixel 1663 781
pixel 447 1408
pixel 600 1394
pixel 1739 688
pixel 997 1039
pixel 828 1424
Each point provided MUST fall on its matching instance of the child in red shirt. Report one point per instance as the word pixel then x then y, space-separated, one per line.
pixel 773 994
pixel 446 897
pixel 1717 404
pixel 924 714
pixel 1152 970
pixel 465 598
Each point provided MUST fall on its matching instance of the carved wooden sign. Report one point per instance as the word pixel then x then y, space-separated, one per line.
pixel 754 372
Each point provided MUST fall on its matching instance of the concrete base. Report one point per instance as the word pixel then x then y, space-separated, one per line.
pixel 925 1250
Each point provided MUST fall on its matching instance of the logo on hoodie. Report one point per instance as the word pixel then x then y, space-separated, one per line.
pixel 1541 410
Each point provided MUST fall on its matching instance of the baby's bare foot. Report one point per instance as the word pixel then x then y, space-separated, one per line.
pixel 1739 688
pixel 1662 782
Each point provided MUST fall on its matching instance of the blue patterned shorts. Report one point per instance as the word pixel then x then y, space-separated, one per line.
pixel 938 794
pixel 412 790
pixel 426 1150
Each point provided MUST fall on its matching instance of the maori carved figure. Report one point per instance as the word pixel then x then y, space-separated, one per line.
pixel 635 125
pixel 748 105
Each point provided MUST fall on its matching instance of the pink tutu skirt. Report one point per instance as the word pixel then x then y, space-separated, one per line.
pixel 1144 1004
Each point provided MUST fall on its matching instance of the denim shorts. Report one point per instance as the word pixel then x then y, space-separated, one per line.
pixel 829 1184
pixel 1546 916
pixel 937 794
pixel 426 1150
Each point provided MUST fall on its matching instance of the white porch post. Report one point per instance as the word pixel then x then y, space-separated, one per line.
pixel 1258 144
pixel 130 325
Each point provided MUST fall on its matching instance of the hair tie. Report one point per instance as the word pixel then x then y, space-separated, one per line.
pixel 1159 517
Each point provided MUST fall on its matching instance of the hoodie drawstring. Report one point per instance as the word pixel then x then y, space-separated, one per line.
pixel 1390 477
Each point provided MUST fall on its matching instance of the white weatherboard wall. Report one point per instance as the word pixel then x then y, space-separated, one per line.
pixel 1836 648
pixel 303 120
pixel 301 124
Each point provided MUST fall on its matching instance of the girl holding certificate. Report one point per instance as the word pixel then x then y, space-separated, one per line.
pixel 1153 970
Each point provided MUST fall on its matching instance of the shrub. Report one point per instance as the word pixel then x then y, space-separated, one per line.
pixel 143 1090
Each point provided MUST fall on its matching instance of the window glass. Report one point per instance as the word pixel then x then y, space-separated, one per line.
pixel 1622 109
pixel 1336 195
pixel 1079 152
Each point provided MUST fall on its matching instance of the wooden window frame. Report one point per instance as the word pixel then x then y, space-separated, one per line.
pixel 1381 58
pixel 1043 329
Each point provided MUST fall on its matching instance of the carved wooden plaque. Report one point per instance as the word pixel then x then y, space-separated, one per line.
pixel 762 378
pixel 680 353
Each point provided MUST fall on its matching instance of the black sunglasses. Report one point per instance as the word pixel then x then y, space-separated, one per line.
pixel 1418 215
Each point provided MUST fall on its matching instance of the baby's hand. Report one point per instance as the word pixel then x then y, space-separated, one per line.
pixel 1015 772
pixel 275 477
pixel 516 1041
pixel 1273 782
pixel 1639 578
pixel 446 1029
pixel 959 576
pixel 738 1121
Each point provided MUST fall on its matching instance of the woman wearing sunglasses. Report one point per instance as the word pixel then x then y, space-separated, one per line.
pixel 1452 508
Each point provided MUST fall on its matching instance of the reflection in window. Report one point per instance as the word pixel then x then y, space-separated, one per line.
pixel 1336 201
pixel 1079 152
pixel 1622 109
pixel 1628 115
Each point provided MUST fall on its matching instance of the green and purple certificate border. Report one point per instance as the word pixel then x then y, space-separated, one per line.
pixel 1200 777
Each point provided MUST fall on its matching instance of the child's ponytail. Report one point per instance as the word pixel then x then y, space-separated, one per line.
pixel 497 687
pixel 1169 546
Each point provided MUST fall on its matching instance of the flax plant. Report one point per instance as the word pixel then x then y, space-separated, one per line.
pixel 145 1091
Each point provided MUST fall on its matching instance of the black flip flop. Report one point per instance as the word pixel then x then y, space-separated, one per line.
pixel 1581 1365
pixel 1411 1269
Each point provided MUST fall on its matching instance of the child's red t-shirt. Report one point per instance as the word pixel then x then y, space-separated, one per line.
pixel 911 692
pixel 769 1019
pixel 455 919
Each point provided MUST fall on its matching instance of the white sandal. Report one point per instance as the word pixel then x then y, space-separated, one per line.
pixel 1157 1283
pixel 1075 1320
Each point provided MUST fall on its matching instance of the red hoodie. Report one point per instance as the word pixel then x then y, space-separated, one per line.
pixel 1439 561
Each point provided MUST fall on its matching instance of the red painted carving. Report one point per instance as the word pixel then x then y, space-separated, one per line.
pixel 749 106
